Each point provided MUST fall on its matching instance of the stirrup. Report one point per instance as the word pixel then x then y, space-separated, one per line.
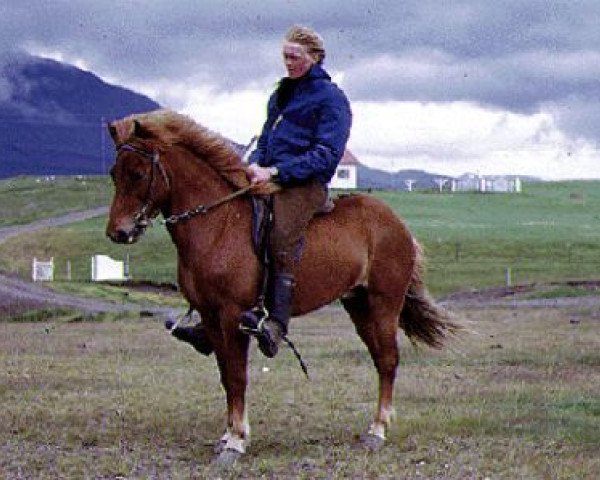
pixel 251 322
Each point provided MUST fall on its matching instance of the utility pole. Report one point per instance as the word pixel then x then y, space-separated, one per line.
pixel 102 145
pixel 440 183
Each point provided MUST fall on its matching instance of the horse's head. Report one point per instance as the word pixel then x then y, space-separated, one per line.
pixel 140 180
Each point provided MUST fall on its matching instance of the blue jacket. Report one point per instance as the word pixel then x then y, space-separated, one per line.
pixel 305 138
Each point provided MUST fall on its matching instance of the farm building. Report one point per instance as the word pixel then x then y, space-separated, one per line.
pixel 345 176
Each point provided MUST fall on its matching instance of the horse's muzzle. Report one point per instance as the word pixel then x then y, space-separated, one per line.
pixel 125 236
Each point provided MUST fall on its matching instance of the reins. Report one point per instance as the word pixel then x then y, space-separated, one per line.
pixel 201 209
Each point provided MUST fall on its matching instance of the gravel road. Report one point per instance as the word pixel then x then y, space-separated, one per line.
pixel 19 294
pixel 6 232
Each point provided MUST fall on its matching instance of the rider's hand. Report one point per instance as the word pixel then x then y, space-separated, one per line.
pixel 258 174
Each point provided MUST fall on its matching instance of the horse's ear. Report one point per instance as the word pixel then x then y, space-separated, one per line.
pixel 113 132
pixel 140 131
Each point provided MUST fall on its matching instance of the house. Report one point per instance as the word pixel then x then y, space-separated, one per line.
pixel 345 176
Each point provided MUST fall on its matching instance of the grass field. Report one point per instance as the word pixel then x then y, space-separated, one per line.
pixel 116 398
pixel 518 398
pixel 26 199
pixel 550 232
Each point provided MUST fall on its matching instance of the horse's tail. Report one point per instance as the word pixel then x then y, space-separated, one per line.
pixel 421 319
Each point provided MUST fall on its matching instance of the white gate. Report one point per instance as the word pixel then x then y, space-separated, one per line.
pixel 105 268
pixel 42 271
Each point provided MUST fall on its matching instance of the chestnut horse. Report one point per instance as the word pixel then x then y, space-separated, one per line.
pixel 361 253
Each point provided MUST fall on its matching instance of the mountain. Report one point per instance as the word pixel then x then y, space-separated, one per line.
pixel 53 118
pixel 378 179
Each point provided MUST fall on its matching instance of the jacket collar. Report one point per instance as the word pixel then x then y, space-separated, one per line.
pixel 316 71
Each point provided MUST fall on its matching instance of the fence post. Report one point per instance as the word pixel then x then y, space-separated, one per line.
pixel 34 270
pixel 457 251
pixel 507 275
pixel 126 266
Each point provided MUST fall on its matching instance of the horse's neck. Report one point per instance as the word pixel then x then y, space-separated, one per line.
pixel 194 184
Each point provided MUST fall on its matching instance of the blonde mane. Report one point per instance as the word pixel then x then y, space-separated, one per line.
pixel 168 128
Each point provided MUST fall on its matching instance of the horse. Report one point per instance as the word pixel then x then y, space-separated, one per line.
pixel 360 253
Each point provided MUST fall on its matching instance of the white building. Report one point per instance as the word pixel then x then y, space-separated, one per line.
pixel 478 183
pixel 345 176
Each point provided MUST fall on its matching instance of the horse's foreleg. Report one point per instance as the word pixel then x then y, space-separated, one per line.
pixel 232 357
pixel 376 322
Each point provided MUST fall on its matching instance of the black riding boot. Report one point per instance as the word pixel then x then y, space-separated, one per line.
pixel 194 335
pixel 273 329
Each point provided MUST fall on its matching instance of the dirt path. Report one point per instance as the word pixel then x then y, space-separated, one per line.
pixel 17 294
pixel 71 217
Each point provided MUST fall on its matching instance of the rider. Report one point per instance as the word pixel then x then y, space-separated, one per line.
pixel 302 141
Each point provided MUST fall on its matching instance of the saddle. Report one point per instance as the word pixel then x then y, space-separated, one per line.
pixel 262 216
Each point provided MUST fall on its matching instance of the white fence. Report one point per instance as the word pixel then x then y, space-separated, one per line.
pixel 485 184
pixel 105 268
pixel 42 271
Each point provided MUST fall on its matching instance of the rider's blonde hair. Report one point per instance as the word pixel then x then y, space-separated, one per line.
pixel 307 37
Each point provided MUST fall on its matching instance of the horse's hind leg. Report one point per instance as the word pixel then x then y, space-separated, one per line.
pixel 376 320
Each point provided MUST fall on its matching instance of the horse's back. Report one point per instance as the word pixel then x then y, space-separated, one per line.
pixel 362 241
pixel 364 217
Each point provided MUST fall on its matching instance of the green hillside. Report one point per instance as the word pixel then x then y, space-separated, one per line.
pixel 550 232
pixel 26 199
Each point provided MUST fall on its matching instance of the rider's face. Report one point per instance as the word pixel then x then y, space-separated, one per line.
pixel 297 60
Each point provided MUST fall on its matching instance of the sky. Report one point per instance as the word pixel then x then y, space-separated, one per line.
pixel 487 87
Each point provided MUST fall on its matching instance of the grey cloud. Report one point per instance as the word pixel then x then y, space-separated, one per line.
pixel 514 55
pixel 579 117
pixel 522 82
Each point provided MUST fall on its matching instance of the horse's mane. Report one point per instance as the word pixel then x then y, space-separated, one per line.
pixel 168 128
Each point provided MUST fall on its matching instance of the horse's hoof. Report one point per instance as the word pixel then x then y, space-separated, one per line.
pixel 227 457
pixel 372 442
pixel 219 446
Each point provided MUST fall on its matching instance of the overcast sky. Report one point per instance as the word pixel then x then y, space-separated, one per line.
pixel 490 87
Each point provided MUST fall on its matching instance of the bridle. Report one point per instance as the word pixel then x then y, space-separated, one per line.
pixel 142 218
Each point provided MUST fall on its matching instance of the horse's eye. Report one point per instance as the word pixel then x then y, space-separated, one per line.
pixel 135 175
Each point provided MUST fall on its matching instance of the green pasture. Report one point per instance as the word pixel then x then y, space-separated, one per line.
pixel 26 199
pixel 550 232
pixel 515 397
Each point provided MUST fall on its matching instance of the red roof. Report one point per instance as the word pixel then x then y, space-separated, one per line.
pixel 349 158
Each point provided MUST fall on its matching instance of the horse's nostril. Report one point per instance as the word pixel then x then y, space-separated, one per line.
pixel 118 236
pixel 122 236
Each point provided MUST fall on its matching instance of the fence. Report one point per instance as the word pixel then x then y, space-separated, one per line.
pixel 42 271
